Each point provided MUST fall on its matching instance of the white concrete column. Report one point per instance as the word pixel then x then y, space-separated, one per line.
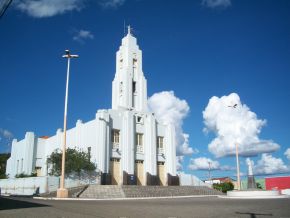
pixel 30 153
pixel 170 150
pixel 150 158
pixel 128 142
pixel 102 119
pixel 12 162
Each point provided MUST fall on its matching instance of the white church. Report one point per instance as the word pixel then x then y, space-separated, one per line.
pixel 125 142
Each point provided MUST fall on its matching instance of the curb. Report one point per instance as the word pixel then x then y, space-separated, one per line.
pixel 257 197
pixel 117 199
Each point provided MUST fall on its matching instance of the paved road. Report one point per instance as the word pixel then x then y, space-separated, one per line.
pixel 184 207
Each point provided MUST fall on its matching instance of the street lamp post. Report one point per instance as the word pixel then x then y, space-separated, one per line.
pixel 237 158
pixel 209 174
pixel 62 192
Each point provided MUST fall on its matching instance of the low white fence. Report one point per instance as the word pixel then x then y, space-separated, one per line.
pixel 35 185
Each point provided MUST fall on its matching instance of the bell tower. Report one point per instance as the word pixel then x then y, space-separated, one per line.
pixel 129 87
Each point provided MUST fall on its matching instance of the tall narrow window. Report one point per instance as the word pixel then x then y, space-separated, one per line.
pixel 160 141
pixel 121 88
pixel 139 142
pixel 134 67
pixel 160 144
pixel 115 138
pixel 134 87
pixel 134 63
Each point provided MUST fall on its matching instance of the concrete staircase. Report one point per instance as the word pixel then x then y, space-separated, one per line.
pixel 131 191
pixel 103 192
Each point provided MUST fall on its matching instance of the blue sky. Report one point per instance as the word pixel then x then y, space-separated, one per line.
pixel 198 49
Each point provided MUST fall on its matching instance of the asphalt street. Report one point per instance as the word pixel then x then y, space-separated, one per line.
pixel 183 207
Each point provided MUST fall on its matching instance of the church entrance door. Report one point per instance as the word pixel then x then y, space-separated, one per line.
pixel 139 172
pixel 115 171
pixel 161 173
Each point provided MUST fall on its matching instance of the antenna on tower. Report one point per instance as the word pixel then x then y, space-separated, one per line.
pixel 124 27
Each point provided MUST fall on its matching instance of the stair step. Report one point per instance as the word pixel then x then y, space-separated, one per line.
pixel 114 191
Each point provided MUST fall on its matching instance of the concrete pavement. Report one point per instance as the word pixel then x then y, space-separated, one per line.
pixel 179 207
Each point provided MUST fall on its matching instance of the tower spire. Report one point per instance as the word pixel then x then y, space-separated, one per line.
pixel 129 85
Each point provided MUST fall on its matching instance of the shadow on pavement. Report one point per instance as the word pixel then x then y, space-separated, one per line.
pixel 255 215
pixel 11 203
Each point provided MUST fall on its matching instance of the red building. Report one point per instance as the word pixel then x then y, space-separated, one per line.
pixel 278 183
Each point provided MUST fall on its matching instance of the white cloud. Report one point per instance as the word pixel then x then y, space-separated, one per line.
pixel 216 3
pixel 287 153
pixel 179 162
pixel 169 109
pixel 5 139
pixel 83 35
pixel 270 165
pixel 111 3
pixel 6 133
pixel 203 163
pixel 48 8
pixel 227 168
pixel 234 125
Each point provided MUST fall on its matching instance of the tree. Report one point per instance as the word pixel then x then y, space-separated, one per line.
pixel 76 162
pixel 3 160
pixel 224 187
pixel 259 186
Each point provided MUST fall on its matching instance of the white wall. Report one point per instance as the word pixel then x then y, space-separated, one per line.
pixel 191 180
pixel 29 185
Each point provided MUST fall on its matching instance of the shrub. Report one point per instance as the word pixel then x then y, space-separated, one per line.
pixel 259 186
pixel 3 176
pixel 23 175
pixel 224 187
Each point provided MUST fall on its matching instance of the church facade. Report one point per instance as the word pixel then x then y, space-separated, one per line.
pixel 127 143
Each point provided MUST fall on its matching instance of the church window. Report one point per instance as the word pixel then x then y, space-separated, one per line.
pixel 139 139
pixel 115 138
pixel 160 141
pixel 121 88
pixel 160 144
pixel 139 142
pixel 134 63
pixel 139 119
pixel 134 67
pixel 134 87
